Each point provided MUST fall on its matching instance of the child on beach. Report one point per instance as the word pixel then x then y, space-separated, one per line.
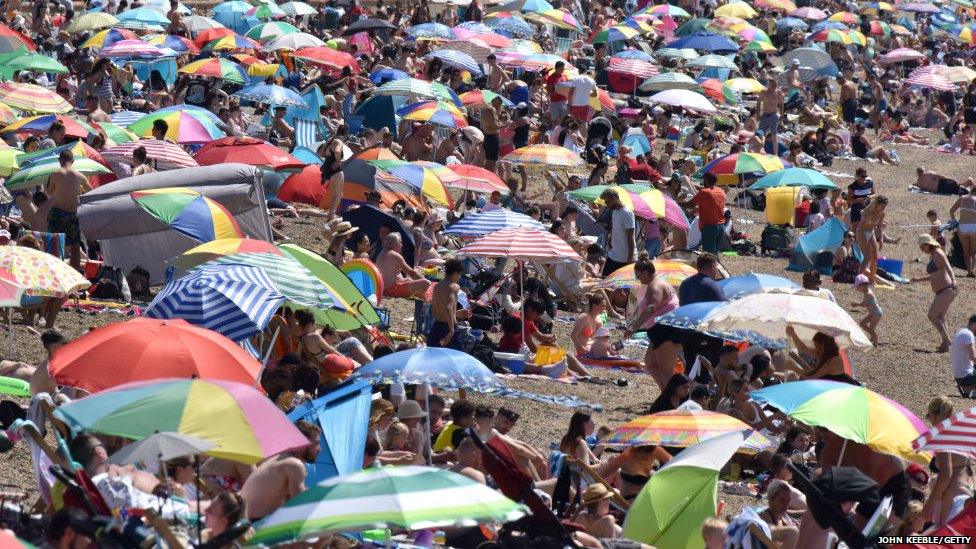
pixel 870 302
pixel 601 347
pixel 936 228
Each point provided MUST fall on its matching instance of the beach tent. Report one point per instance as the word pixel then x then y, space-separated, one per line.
pixel 130 237
pixel 378 112
pixel 827 238
pixel 343 416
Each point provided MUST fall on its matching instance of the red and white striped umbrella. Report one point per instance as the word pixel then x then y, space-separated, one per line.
pixel 522 244
pixel 932 80
pixel 899 55
pixel 162 155
pixel 957 434
pixel 131 48
pixel 637 67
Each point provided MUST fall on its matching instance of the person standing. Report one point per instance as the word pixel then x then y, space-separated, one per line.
pixel 583 87
pixel 711 213
pixel 963 353
pixel 622 247
pixel 771 105
pixel 443 307
pixel 557 99
pixel 943 282
pixel 63 187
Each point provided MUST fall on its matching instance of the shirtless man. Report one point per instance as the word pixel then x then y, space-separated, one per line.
pixel 96 114
pixel 419 145
pixel 771 107
pixel 793 80
pixel 935 182
pixel 286 133
pixel 848 98
pixel 281 477
pixel 41 381
pixel 159 130
pixel 399 280
pixel 443 306
pixel 489 127
pixel 63 187
pixel 497 77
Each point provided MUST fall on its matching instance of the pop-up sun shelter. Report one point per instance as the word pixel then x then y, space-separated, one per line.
pixel 810 249
pixel 129 236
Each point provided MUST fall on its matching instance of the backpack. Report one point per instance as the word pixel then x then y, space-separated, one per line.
pixel 110 284
pixel 138 282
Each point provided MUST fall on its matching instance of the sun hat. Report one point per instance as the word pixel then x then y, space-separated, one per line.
pixel 594 493
pixel 410 409
pixel 926 238
pixel 860 280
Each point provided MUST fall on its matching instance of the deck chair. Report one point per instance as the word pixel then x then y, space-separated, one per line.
pixel 353 121
pixel 306 133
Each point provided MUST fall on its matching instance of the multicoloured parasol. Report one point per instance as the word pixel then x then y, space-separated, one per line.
pixel 33 98
pixel 417 176
pixel 107 37
pixel 646 202
pixel 189 212
pixel 551 155
pixel 185 126
pixel 743 163
pixel 217 68
pixel 477 179
pixel 37 125
pixel 681 429
pixel 40 273
pixel 674 272
pixel 441 113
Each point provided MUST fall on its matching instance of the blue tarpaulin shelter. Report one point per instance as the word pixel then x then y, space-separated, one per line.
pixel 343 416
pixel 827 238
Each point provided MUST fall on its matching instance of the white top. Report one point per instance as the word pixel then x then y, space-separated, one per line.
pixel 583 87
pixel 622 220
pixel 689 405
pixel 962 344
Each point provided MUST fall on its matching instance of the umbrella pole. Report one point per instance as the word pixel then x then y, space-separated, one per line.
pixel 10 332
pixel 520 265
pixel 430 458
pixel 840 458
pixel 267 355
pixel 196 484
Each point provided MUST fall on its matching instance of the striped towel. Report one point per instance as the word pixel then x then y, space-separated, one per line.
pixel 306 133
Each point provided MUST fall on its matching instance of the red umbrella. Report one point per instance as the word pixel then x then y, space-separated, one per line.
pixel 206 36
pixel 522 244
pixel 246 150
pixel 142 349
pixel 324 55
pixel 305 186
pixel 476 179
pixel 11 39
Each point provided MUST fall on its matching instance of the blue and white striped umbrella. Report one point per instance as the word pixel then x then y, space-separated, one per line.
pixel 430 30
pixel 236 301
pixel 754 283
pixel 483 223
pixel 457 59
pixel 693 316
pixel 272 94
pixel 124 118
pixel 515 27
pixel 636 54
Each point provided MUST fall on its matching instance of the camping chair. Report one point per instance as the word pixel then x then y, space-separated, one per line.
pixel 353 121
pixel 776 238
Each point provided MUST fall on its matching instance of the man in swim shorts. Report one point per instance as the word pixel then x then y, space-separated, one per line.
pixel 935 182
pixel 399 279
pixel 443 307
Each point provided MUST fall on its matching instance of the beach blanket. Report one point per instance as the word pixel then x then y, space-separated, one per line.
pixel 96 306
pixel 569 379
pixel 566 401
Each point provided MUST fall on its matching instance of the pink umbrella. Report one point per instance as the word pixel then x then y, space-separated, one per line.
pixel 492 39
pixel 932 80
pixel 917 7
pixel 637 67
pixel 162 155
pixel 901 54
pixel 131 48
pixel 522 244
pixel 812 14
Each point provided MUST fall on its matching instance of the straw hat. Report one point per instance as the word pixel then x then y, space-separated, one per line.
pixel 410 409
pixel 594 493
pixel 924 239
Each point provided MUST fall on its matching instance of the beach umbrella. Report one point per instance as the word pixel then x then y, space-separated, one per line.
pixel 37 63
pixel 524 6
pixel 272 94
pixel 440 113
pixel 879 28
pixel 745 85
pixel 813 58
pixel 770 314
pixel 784 6
pixel 931 80
pixel 246 150
pixel 743 163
pixel 477 179
pixel 646 202
pixel 482 223
pixel 692 317
pixel 809 13
pixel 634 54
pixel 550 155
pixel 298 9
pixel 850 411
pixel 421 178
pixel 669 81
pixel 674 272
pixel 294 41
pixel 242 423
pixel 162 155
pixel 626 73
pixel 160 447
pixel 684 54
pixel 208 251
pixel 706 41
pixel 231 42
pixel 366 25
pixel 523 46
pixel 408 497
pixel 791 23
pixel 39 125
pixel 147 16
pixel 522 244
pixel 40 273
pixel 533 61
pixel 794 177
pixel 37 174
pixel 176 43
pixel 92 21
pixel 33 98
pixel 294 280
pixel 753 283
pixel 957 74
pixel 713 61
pixel 217 68
pixel 440 367
pixel 692 26
pixel 753 34
pixel 558 18
pixel 490 39
pixel 845 17
pixel 406 87
pixel 199 23
pixel 266 10
pixel 144 349
pixel 329 57
pixel 8 164
pixel 236 301
pixel 456 59
pixel 735 9
pixel 829 25
pixel 670 508
pixel 189 213
pixel 955 434
pixel 681 429
pixel 7 114
pixel 125 118
pixel 474 46
pixel 510 25
pixel 124 49
pixel 480 98
pixel 430 30
pixel 186 126
pixel 665 9
pixel 759 47
pixel 917 7
pixel 206 36
pixel 613 34
pixel 269 31
pixel 901 55
pixel 831 35
pixel 686 99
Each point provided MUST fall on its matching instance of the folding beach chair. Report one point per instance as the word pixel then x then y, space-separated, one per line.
pixel 306 133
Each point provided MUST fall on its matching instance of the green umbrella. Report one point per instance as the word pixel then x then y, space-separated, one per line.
pixel 359 311
pixel 38 173
pixel 266 32
pixel 117 133
pixel 692 26
pixel 670 508
pixel 408 497
pixel 794 177
pixel 36 62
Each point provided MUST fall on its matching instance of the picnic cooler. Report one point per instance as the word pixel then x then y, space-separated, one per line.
pixel 780 204
pixel 513 362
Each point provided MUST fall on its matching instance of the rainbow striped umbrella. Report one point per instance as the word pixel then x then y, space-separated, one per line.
pixel 131 49
pixel 743 163
pixel 244 425
pixel 557 18
pixel 809 13
pixel 849 411
pixel 479 98
pixel 614 34
pixel 665 9
pixel 646 202
pixel 185 126
pixel 674 272
pixel 681 429
pixel 215 249
pixel 266 11
pixel 441 113
pixel 831 35
pixel 189 213
pixel 33 98
pixel 40 124
pixel 107 37
pixel 115 135
pixel 858 38
pixel 173 42
pixel 230 42
pixel 217 68
pixel 716 89
pixel 753 34
pixel 879 28
pixel 759 47
pixel 418 176
pixel 845 17
pixel 550 155
pixel 36 174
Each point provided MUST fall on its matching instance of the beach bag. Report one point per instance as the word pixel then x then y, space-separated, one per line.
pixel 138 281
pixel 110 284
pixel 484 351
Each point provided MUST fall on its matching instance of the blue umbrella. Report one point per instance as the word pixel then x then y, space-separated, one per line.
pixel 825 24
pixel 147 16
pixel 272 94
pixel 476 26
pixel 457 60
pixel 430 30
pixel 794 177
pixel 691 317
pixel 516 27
pixel 442 368
pixel 791 23
pixel 708 41
pixel 384 75
pixel 306 155
pixel 638 142
pixel 479 224
pixel 236 301
pixel 234 6
pixel 636 54
pixel 754 283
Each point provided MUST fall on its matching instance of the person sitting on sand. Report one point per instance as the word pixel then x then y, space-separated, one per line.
pixel 280 478
pixel 784 528
pixel 934 182
pixel 601 348
pixel 315 350
pixel 399 279
pixel 862 147
pixel 826 353
pixel 738 405
pixel 634 467
pixel 588 323
pixel 595 516
pixel 512 341
pixel 675 392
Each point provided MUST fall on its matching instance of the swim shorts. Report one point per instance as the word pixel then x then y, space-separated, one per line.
pixel 61 221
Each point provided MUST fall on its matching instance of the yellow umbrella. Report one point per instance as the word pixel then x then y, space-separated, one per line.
pixel 41 273
pixel 92 21
pixel 736 9
pixel 745 85
pixel 8 161
pixel 759 46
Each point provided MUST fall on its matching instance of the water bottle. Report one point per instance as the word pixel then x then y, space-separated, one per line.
pixel 440 539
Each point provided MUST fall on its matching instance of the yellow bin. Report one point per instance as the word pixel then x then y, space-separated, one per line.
pixel 780 204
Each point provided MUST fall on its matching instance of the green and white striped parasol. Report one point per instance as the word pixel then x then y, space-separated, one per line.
pixel 293 279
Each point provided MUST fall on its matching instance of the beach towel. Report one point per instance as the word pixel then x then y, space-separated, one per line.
pixel 737 534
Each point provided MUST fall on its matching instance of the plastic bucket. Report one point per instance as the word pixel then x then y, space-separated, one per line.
pixel 780 204
pixel 514 362
pixel 893 266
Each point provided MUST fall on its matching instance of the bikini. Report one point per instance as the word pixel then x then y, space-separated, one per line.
pixel 967 228
pixel 930 268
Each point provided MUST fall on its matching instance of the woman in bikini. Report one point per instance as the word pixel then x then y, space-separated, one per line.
pixel 954 472
pixel 588 323
pixel 943 282
pixel 331 154
pixel 659 298
pixel 738 405
pixel 966 207
pixel 829 364
pixel 871 220
pixel 634 466
pixel 315 350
